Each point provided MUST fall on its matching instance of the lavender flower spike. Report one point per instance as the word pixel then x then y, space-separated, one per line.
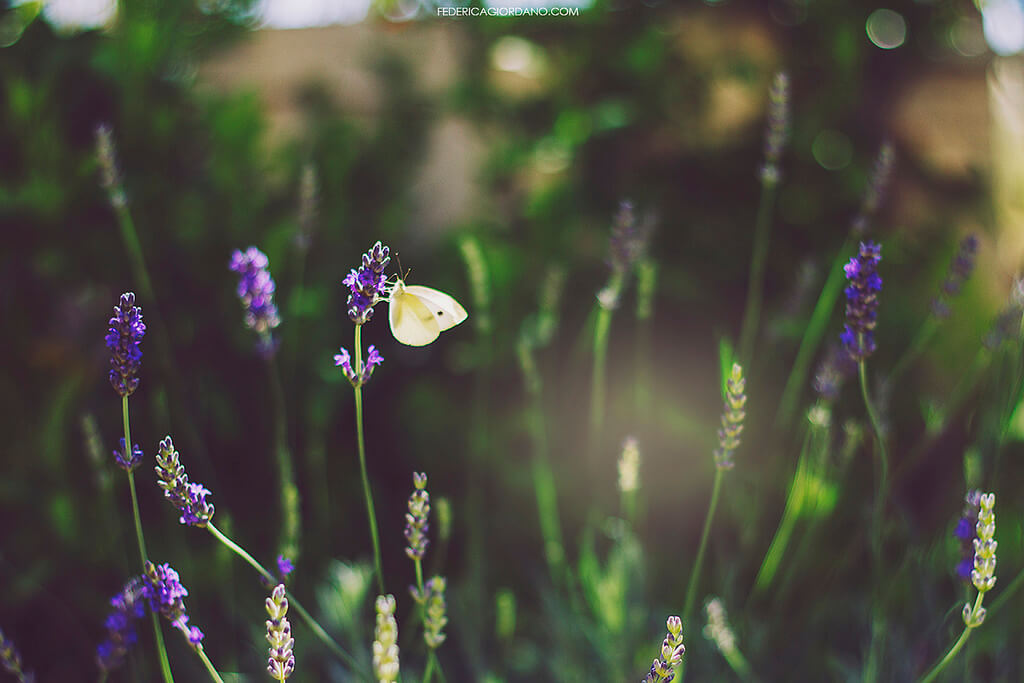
pixel 960 269
pixel 385 643
pixel 778 127
pixel 435 618
pixel 732 419
pixel 10 658
pixel 255 289
pixel 123 338
pixel 367 284
pixel 129 606
pixel 281 662
pixel 166 596
pixel 672 650
pixel 188 497
pixel 357 377
pixel 862 301
pixel 416 526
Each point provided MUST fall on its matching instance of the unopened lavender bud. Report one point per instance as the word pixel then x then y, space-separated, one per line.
pixel 777 129
pixel 672 650
pixel 385 644
pixel 435 618
pixel 629 466
pixel 416 526
pixel 983 577
pixel 732 419
pixel 188 497
pixel 110 177
pixel 281 661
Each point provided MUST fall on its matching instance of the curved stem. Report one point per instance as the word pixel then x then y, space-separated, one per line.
pixel 362 465
pixel 161 650
pixel 755 285
pixel 317 629
pixel 691 589
pixel 937 669
pixel 598 373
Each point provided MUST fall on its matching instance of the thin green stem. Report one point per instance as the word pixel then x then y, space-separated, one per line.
pixel 691 589
pixel 812 336
pixel 430 667
pixel 165 665
pixel 544 486
pixel 755 284
pixel 598 372
pixel 738 663
pixel 210 669
pixel 878 624
pixel 937 669
pixel 317 629
pixel 378 566
pixel 794 505
pixel 290 510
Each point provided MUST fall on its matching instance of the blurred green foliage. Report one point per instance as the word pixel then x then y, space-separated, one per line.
pixel 659 102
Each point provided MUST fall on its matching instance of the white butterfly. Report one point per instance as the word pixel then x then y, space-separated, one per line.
pixel 419 314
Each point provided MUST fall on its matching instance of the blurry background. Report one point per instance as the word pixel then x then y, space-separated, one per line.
pixel 312 129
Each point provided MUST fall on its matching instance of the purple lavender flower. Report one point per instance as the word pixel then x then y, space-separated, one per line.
pixel 256 289
pixel 129 606
pixel 128 462
pixel 358 376
pixel 188 497
pixel 960 269
pixel 166 595
pixel 862 301
pixel 367 284
pixel 284 567
pixel 416 526
pixel 123 338
pixel 966 531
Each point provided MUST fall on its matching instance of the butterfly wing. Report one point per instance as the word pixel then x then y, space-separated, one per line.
pixel 446 310
pixel 412 322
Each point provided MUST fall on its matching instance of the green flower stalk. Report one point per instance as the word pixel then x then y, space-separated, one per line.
pixel 281 661
pixel 367 287
pixel 728 442
pixel 983 577
pixel 672 650
pixel 385 643
pixel 775 139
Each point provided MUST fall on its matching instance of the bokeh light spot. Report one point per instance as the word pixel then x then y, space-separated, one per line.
pixel 886 29
pixel 1003 23
pixel 832 150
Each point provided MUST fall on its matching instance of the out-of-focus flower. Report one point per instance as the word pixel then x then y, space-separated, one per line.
pixel 862 301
